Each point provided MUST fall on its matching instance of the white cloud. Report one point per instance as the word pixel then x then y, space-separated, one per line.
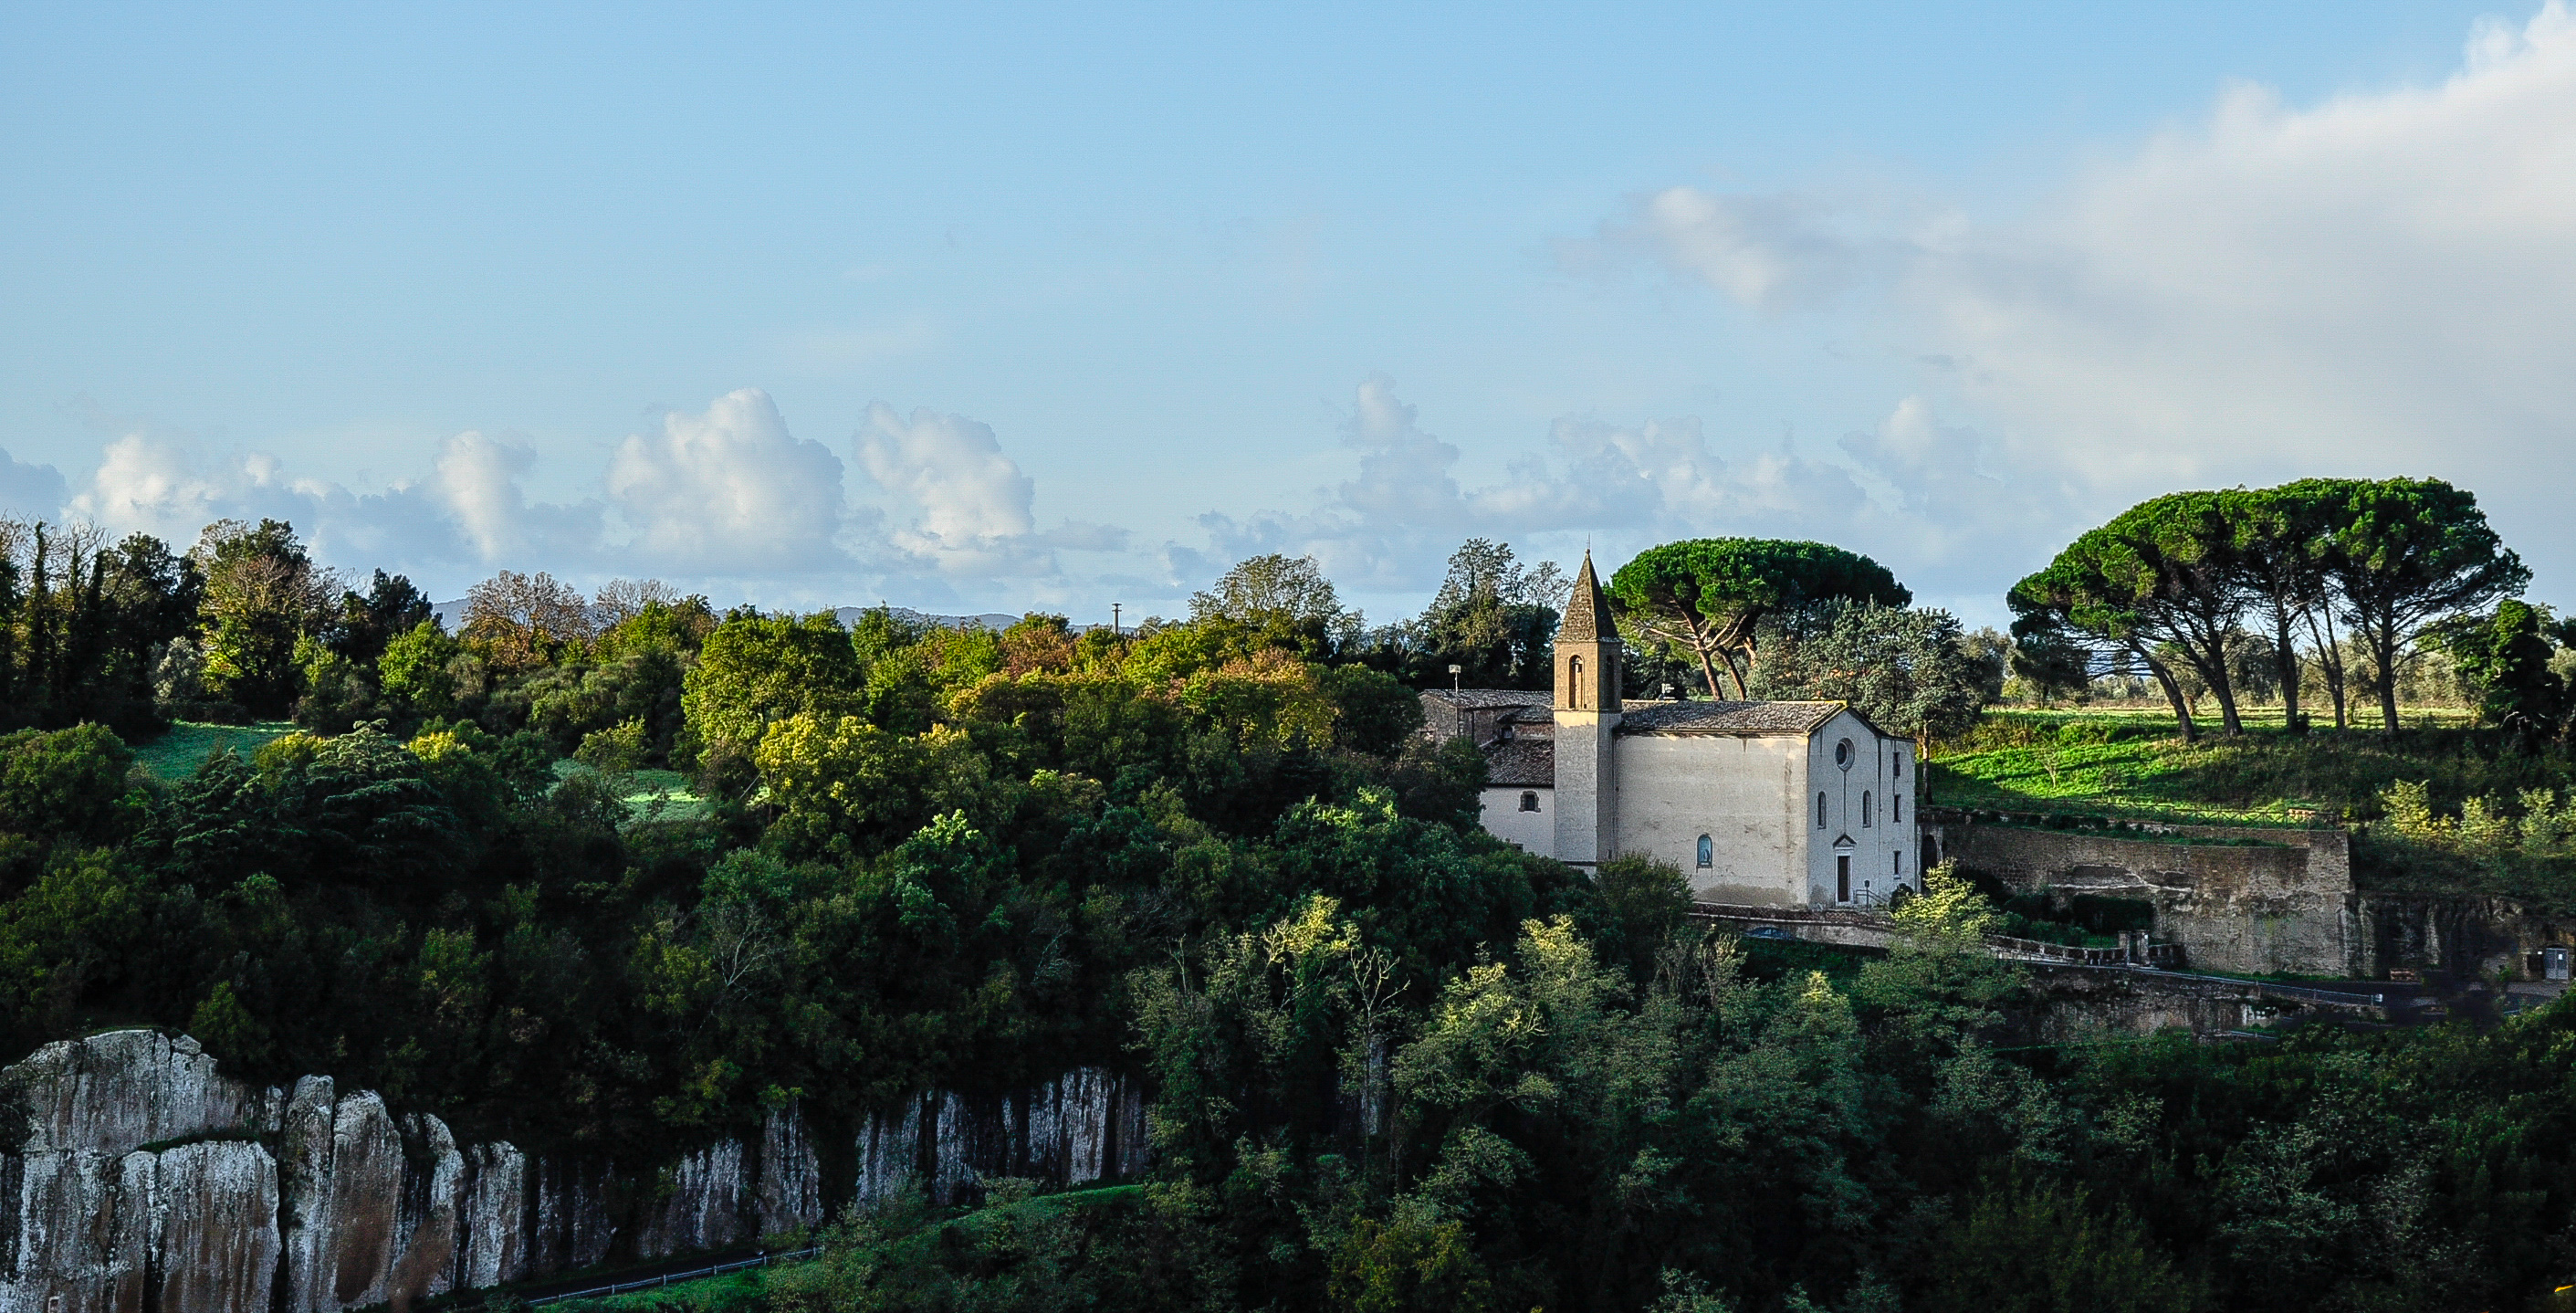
pixel 729 492
pixel 726 499
pixel 971 508
pixel 2375 284
pixel 1625 486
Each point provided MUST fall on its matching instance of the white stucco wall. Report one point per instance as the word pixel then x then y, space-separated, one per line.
pixel 1533 831
pixel 1883 852
pixel 1740 790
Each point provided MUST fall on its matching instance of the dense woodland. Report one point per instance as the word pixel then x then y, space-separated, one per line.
pixel 1396 1063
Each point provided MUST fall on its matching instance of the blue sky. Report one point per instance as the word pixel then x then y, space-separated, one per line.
pixel 992 308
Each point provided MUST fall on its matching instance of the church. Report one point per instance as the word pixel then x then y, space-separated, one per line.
pixel 1768 803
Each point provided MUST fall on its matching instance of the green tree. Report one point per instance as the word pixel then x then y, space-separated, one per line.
pixel 2505 657
pixel 844 786
pixel 2276 540
pixel 2403 554
pixel 2163 579
pixel 2072 615
pixel 757 670
pixel 1646 903
pixel 262 595
pixel 1492 615
pixel 1376 714
pixel 2041 1248
pixel 416 670
pixel 1706 599
pixel 391 606
pixel 1285 601
pixel 69 784
pixel 1904 670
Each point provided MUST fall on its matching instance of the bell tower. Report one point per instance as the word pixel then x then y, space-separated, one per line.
pixel 1586 709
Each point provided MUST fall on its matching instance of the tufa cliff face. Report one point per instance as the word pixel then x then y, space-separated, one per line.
pixel 134 1176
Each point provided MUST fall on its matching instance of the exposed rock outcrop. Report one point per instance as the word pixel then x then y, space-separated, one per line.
pixel 133 1175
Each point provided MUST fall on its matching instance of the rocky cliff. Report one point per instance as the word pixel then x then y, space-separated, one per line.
pixel 133 1175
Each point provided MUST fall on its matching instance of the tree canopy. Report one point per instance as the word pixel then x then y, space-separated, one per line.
pixel 1706 599
pixel 2171 583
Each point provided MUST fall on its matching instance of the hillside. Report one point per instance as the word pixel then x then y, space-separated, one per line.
pixel 2490 819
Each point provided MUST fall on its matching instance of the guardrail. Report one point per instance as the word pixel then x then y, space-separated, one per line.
pixel 2007 946
pixel 2043 951
pixel 648 1283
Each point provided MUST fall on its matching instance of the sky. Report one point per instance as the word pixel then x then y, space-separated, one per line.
pixel 976 308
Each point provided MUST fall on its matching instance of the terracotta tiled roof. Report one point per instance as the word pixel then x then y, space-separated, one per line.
pixel 1697 717
pixel 1521 764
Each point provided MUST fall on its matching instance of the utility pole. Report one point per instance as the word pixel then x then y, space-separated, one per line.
pixel 1114 626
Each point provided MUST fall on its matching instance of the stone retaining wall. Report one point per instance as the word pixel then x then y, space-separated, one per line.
pixel 2285 906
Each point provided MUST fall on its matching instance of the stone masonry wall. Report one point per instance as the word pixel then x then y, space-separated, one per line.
pixel 2286 906
pixel 133 1175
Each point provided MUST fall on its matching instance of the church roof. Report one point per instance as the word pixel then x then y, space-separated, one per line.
pixel 1697 717
pixel 1587 612
pixel 1485 699
pixel 1521 764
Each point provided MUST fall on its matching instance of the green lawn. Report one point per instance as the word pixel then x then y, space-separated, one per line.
pixel 2134 765
pixel 648 789
pixel 176 754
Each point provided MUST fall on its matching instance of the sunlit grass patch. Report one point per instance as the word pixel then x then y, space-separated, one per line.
pixel 2134 765
pixel 650 794
pixel 177 754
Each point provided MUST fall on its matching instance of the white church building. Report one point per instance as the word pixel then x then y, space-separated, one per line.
pixel 1770 803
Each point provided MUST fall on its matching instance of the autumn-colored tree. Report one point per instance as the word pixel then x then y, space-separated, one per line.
pixel 517 622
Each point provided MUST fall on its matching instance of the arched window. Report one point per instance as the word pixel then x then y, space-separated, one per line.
pixel 1899 855
pixel 1896 764
pixel 1820 811
pixel 1864 809
pixel 1896 809
pixel 1707 853
pixel 1529 800
pixel 1574 681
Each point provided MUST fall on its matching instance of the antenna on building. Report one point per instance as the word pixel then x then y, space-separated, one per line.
pixel 1454 672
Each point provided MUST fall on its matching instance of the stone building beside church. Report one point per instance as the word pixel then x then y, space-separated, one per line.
pixel 1774 803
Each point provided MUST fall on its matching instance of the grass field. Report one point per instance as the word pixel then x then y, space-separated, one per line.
pixel 651 794
pixel 177 754
pixel 2135 765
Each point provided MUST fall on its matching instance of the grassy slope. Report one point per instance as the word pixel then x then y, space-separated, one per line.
pixel 645 787
pixel 2131 765
pixel 176 755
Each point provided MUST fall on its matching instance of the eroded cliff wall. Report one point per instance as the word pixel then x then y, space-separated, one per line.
pixel 134 1175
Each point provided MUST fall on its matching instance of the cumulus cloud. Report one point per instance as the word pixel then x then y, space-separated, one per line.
pixel 1901 491
pixel 972 509
pixel 729 492
pixel 2373 284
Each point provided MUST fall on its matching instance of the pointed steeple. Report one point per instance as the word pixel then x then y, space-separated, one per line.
pixel 1587 613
